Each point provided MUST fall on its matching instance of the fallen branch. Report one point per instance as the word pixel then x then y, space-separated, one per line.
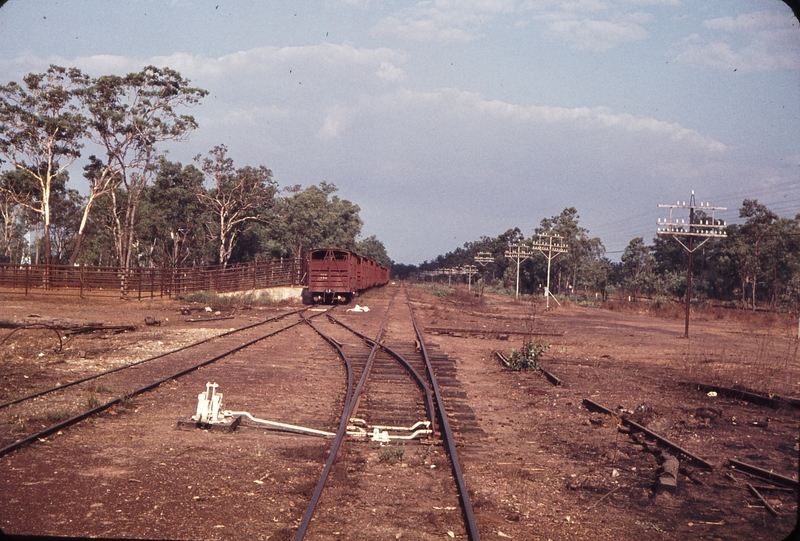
pixel 607 494
pixel 199 320
pixel 50 323
pixel 37 326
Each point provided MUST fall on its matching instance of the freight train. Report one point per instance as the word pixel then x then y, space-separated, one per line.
pixel 335 275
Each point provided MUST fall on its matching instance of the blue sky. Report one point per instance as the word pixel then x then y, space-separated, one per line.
pixel 450 120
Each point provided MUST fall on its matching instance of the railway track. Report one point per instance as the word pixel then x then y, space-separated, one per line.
pixel 393 400
pixel 39 414
pixel 392 407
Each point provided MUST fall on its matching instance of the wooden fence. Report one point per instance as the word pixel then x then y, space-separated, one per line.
pixel 140 282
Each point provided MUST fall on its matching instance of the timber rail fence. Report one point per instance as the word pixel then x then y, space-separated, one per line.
pixel 141 282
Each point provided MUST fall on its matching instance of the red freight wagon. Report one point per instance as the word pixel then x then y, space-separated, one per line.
pixel 337 274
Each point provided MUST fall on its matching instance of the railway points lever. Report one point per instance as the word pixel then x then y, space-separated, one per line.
pixel 209 404
pixel 211 415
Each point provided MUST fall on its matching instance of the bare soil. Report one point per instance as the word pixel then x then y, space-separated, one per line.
pixel 544 467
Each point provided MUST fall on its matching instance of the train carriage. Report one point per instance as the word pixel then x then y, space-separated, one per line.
pixel 335 275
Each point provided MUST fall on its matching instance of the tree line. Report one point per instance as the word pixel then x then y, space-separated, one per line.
pixel 757 263
pixel 142 209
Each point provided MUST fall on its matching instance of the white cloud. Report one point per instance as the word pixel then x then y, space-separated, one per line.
pixel 759 20
pixel 389 72
pixel 759 41
pixel 335 121
pixel 592 25
pixel 471 104
pixel 306 62
pixel 587 24
pixel 594 34
pixel 446 21
pixel 429 24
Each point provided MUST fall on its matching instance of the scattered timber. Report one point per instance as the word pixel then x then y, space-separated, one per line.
pixel 61 324
pixel 668 474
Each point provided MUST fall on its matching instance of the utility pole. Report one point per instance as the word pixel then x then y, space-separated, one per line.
pixel 553 249
pixel 707 230
pixel 520 252
pixel 469 270
pixel 483 259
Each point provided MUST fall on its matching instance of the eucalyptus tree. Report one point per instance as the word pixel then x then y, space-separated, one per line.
pixel 637 266
pixel 102 179
pixel 782 262
pixel 766 249
pixel 175 225
pixel 11 211
pixel 237 197
pixel 41 135
pixel 374 248
pixel 750 241
pixel 315 218
pixel 128 116
pixel 581 248
pixel 66 206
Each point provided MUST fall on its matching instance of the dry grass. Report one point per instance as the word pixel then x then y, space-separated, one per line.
pixel 762 354
pixel 765 361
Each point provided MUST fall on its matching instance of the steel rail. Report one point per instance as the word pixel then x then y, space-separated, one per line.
pixel 449 440
pixel 85 415
pixel 636 427
pixel 766 475
pixel 351 399
pixel 136 363
pixel 421 383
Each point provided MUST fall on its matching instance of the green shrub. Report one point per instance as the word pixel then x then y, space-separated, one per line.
pixel 392 454
pixel 526 358
pixel 92 402
pixel 198 296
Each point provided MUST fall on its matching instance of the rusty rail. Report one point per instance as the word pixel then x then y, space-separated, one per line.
pixel 421 383
pixel 99 409
pixel 765 474
pixel 449 441
pixel 351 398
pixel 142 361
pixel 636 427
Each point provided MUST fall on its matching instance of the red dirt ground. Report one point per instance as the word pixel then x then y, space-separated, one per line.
pixel 547 468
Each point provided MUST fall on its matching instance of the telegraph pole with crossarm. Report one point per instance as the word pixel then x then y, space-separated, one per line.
pixel 519 252
pixel 552 249
pixel 708 229
pixel 483 259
